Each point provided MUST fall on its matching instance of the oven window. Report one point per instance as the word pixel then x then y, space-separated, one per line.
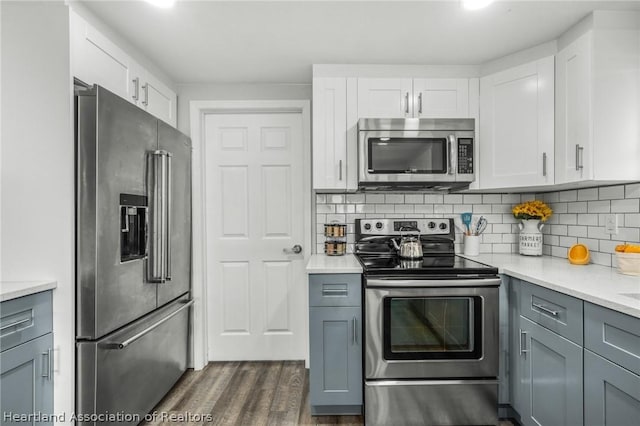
pixel 407 155
pixel 433 328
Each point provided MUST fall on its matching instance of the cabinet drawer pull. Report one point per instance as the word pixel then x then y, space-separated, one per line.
pixel 523 347
pixel 14 324
pixel 579 151
pixel 545 309
pixel 46 367
pixel 355 331
pixel 332 292
pixel 406 103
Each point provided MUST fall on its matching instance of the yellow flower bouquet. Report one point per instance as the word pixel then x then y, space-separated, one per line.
pixel 532 210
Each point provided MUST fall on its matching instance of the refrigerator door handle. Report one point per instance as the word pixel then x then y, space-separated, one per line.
pixel 157 272
pixel 123 344
pixel 168 204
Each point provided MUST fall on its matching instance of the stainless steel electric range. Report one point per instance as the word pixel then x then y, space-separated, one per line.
pixel 431 327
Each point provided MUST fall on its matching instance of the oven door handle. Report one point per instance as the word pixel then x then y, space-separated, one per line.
pixel 466 282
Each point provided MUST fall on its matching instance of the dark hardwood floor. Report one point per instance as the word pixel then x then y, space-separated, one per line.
pixel 245 393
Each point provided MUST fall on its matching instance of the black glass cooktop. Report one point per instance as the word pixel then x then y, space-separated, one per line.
pixel 428 265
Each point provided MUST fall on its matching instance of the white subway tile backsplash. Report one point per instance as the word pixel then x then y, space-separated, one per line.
pixel 472 198
pixel 588 219
pixel 625 206
pixel 599 206
pixel 579 216
pixel 577 231
pixel 481 208
pixel 355 198
pixel 589 194
pixel 568 195
pixel 577 207
pixel 404 208
pixel 434 198
pixel 632 190
pixel 374 198
pixel 511 198
pixel 611 192
pixel 394 198
pixel 414 198
pixel 453 199
pixel 335 198
pixel 442 208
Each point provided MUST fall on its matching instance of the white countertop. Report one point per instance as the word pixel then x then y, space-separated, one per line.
pixel 601 285
pixel 323 264
pixel 14 289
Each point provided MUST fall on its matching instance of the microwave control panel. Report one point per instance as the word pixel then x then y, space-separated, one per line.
pixel 465 156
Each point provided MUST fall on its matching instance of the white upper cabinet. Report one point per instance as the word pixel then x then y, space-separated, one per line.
pixel 418 97
pixel 97 60
pixel 385 97
pixel 574 150
pixel 598 102
pixel 441 97
pixel 329 133
pixel 517 126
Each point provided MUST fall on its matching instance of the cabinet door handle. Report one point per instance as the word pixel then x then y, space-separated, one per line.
pixel 579 152
pixel 340 170
pixel 406 103
pixel 523 347
pixel 145 87
pixel 544 164
pixel 46 367
pixel 545 309
pixel 15 324
pixel 355 330
pixel 136 89
pixel 420 103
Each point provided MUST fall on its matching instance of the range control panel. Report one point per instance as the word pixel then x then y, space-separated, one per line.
pixel 465 156
pixel 437 226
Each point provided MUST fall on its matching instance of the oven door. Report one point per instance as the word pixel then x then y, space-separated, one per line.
pixel 438 331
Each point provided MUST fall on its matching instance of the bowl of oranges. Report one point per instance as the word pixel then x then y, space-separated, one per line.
pixel 628 258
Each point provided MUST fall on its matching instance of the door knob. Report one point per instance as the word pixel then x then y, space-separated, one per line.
pixel 293 250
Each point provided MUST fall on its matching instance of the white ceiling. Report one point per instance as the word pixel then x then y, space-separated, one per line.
pixel 277 42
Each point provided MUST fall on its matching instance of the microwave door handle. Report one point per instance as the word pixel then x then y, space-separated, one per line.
pixel 451 143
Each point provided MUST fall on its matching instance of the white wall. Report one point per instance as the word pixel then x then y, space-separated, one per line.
pixel 36 221
pixel 236 92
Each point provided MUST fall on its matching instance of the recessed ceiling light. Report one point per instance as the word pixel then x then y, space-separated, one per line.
pixel 475 4
pixel 164 4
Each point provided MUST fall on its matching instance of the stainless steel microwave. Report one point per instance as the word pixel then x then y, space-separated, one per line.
pixel 412 153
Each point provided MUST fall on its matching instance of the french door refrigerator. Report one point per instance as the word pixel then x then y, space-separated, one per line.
pixel 133 258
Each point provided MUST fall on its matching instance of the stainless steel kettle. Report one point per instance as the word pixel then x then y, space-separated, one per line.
pixel 410 246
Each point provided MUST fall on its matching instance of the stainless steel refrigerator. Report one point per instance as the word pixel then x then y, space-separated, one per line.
pixel 133 257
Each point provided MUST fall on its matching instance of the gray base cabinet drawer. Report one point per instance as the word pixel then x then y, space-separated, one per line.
pixel 335 290
pixel 613 335
pixel 557 312
pixel 611 393
pixel 24 319
pixel 26 381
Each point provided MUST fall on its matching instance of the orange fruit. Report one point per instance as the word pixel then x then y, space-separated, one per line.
pixel 632 248
pixel 621 247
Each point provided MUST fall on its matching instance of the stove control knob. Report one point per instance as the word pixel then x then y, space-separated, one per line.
pixel 431 225
pixel 379 225
pixel 443 226
pixel 367 226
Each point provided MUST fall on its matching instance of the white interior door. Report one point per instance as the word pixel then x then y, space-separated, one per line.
pixel 254 212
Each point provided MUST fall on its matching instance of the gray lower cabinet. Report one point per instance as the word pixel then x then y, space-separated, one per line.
pixel 26 363
pixel 546 369
pixel 611 393
pixel 27 385
pixel 335 343
pixel 551 372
